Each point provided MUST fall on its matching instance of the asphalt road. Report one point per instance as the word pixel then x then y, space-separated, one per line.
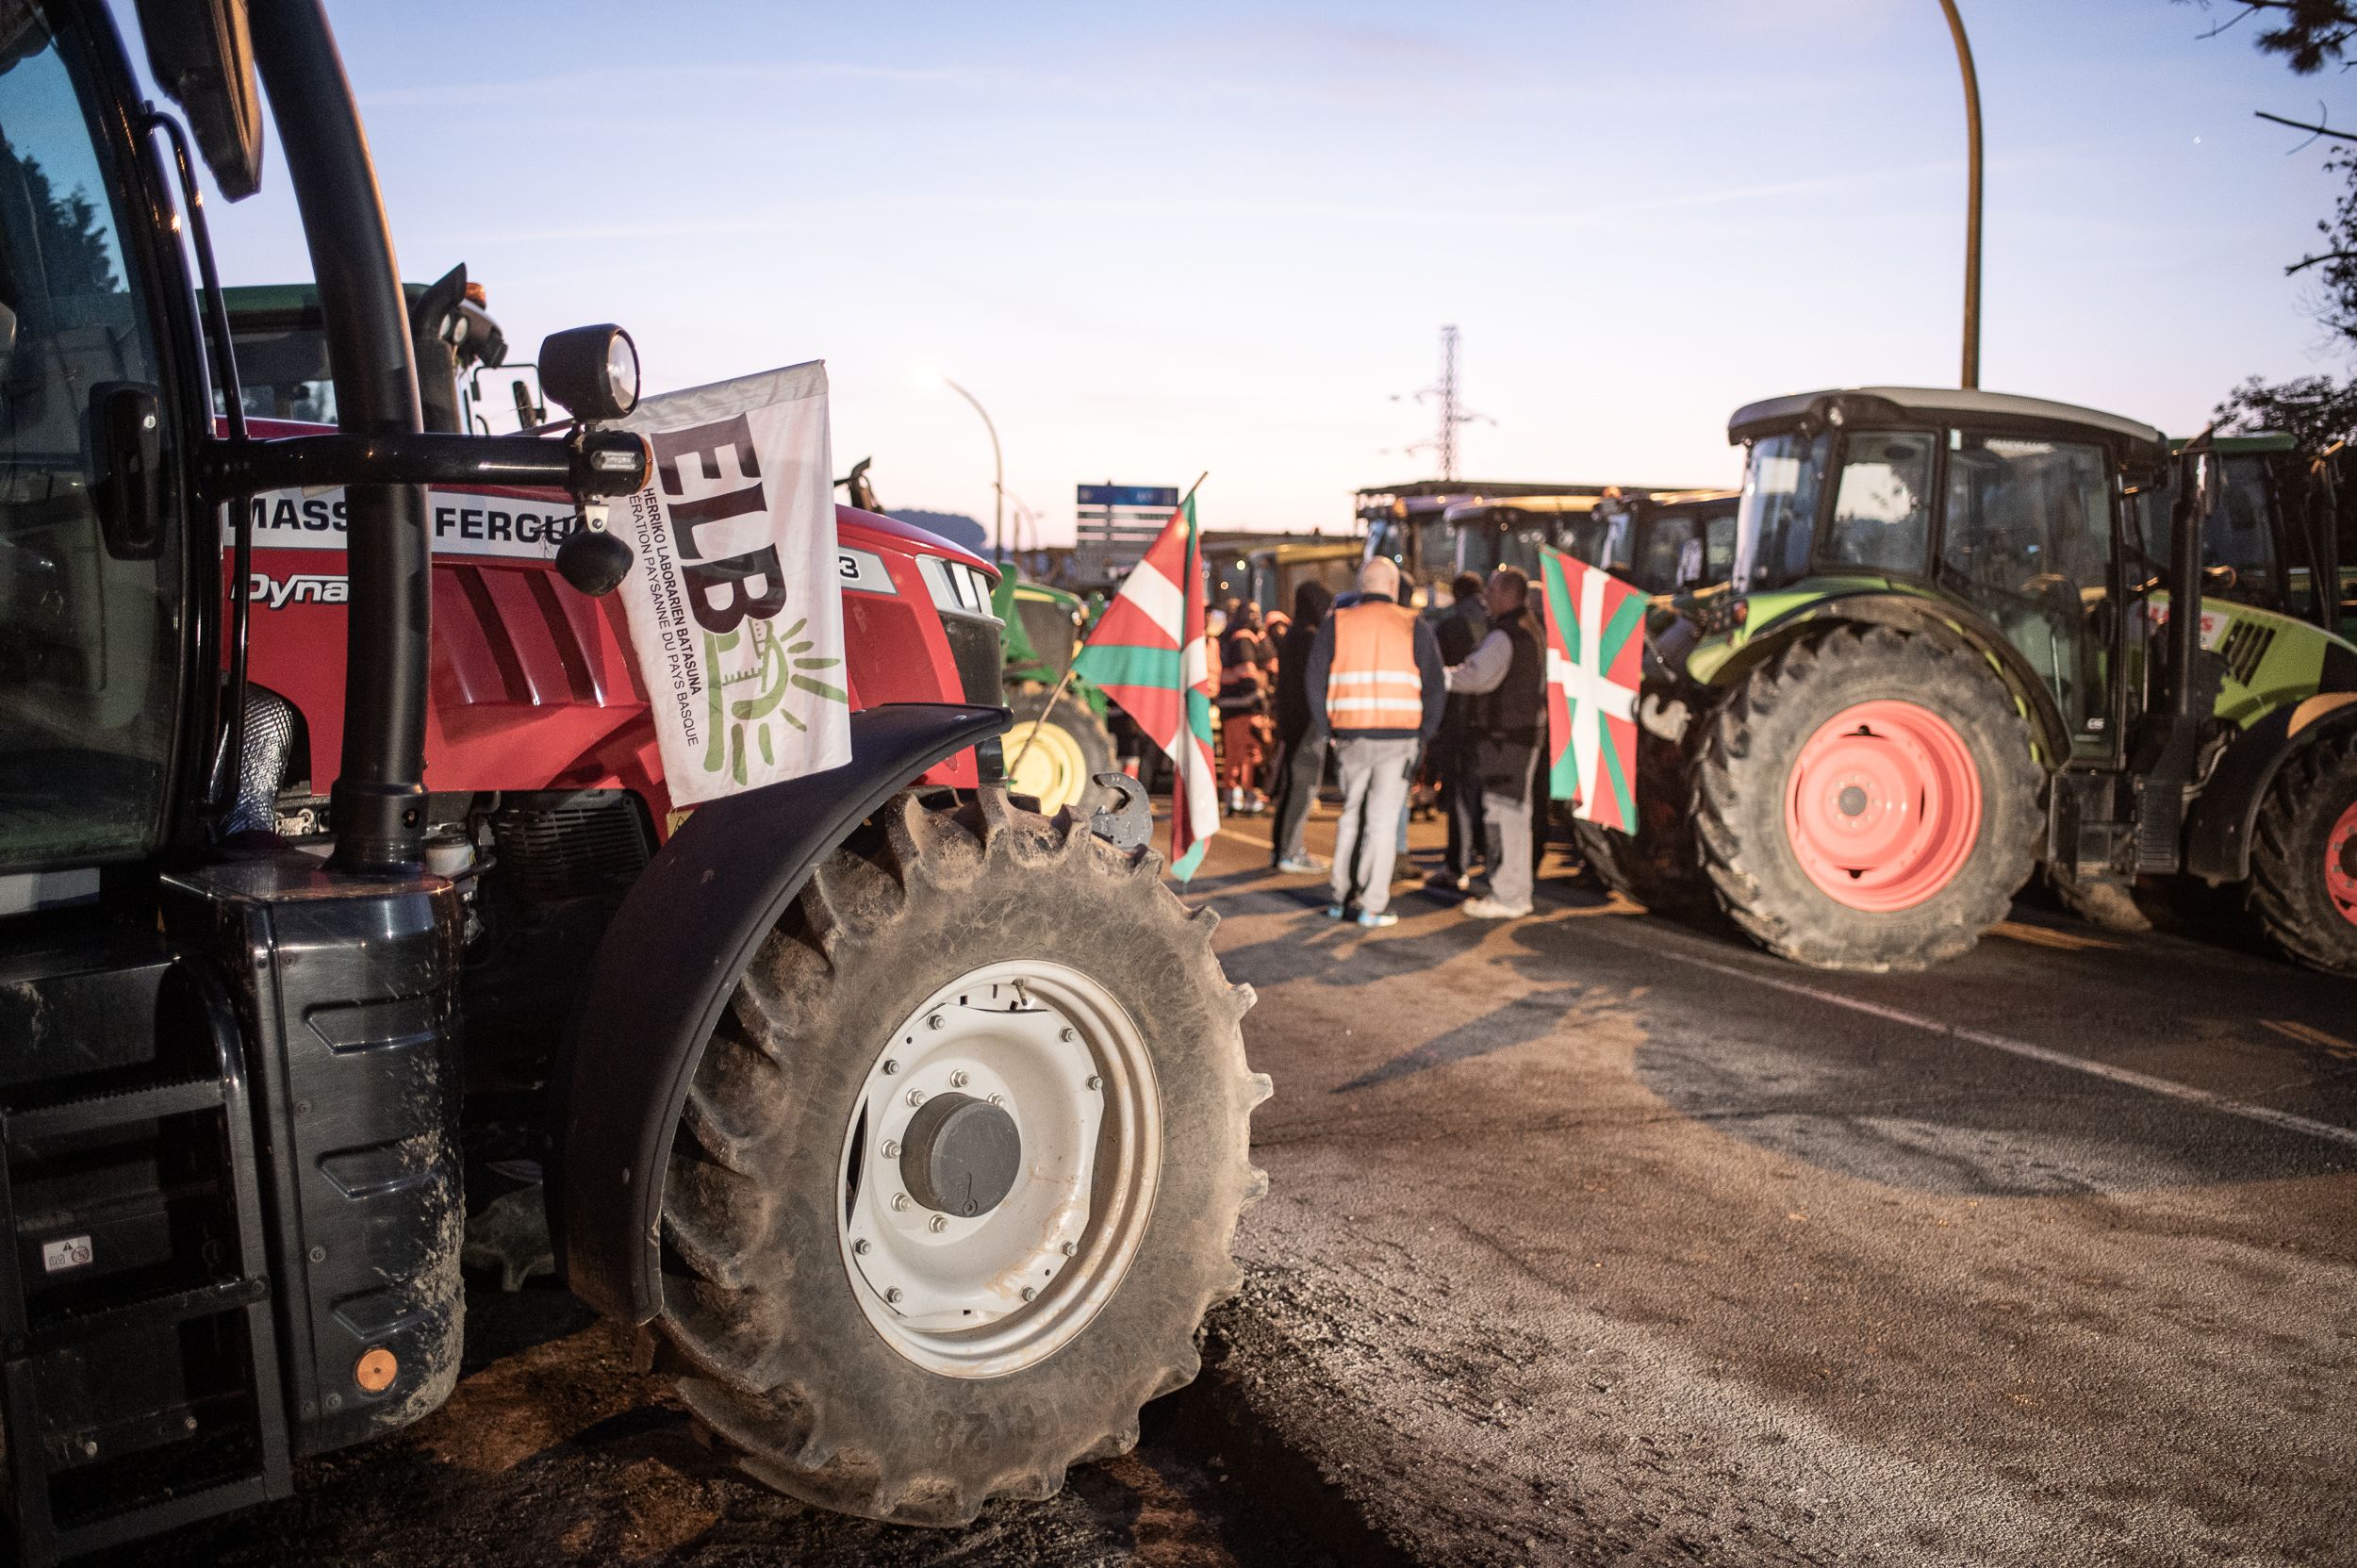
pixel 1597 1238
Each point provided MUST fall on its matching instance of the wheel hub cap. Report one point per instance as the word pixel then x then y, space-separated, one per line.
pixel 1046 763
pixel 1000 1168
pixel 961 1155
pixel 2340 863
pixel 1882 806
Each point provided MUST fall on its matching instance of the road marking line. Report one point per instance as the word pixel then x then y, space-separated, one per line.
pixel 2129 1077
pixel 2309 1035
pixel 2046 936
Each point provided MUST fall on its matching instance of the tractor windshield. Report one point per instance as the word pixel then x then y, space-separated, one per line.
pixel 1778 516
pixel 1507 540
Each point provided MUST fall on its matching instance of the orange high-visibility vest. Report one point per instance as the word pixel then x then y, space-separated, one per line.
pixel 1374 683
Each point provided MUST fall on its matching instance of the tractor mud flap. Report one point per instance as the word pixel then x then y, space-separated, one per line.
pixel 665 968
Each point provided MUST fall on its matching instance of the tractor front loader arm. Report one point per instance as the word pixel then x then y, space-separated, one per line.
pixel 666 968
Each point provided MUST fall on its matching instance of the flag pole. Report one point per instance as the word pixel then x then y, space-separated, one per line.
pixel 1046 713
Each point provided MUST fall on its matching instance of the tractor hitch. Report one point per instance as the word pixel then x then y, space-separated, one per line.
pixel 1129 822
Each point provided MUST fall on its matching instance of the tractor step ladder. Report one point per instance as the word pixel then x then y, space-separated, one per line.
pixel 140 1378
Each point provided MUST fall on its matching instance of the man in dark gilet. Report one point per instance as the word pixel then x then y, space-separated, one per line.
pixel 1506 677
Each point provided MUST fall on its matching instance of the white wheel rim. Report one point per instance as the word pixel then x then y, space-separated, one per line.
pixel 1046 763
pixel 990 1295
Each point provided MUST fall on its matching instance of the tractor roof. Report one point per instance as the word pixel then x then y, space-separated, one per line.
pixel 2264 440
pixel 1959 404
pixel 1540 505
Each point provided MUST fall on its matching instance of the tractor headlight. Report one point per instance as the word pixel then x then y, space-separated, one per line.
pixel 592 371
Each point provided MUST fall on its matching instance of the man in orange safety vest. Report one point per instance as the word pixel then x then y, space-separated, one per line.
pixel 1377 684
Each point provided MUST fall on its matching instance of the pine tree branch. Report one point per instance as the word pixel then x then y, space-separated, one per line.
pixel 2313 130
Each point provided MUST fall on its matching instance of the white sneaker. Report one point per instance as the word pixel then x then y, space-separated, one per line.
pixel 1490 909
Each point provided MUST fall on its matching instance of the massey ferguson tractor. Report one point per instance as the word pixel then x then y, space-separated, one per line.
pixel 1947 657
pixel 910 1126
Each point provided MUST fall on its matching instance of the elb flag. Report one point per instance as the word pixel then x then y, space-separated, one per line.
pixel 1147 655
pixel 1595 656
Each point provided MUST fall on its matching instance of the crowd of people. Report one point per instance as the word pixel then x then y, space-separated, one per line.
pixel 1459 700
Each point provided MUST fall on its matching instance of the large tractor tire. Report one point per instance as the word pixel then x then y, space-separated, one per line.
pixel 1654 865
pixel 1051 756
pixel 2303 859
pixel 961 1168
pixel 1867 801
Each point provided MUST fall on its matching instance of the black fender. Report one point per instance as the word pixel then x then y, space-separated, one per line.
pixel 665 968
pixel 1944 618
pixel 2226 816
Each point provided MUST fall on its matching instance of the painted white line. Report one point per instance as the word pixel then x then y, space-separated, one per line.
pixel 2132 1079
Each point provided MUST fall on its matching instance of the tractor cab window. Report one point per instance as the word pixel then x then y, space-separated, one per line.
pixel 89 616
pixel 1661 552
pixel 2027 540
pixel 1882 506
pixel 283 374
pixel 2239 532
pixel 1777 521
pixel 1484 547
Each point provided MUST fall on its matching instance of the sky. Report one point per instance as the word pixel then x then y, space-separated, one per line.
pixel 1156 241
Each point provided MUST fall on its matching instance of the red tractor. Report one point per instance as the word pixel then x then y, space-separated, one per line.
pixel 911 1126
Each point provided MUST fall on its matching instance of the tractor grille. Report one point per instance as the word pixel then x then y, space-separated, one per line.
pixel 572 844
pixel 2245 645
pixel 973 647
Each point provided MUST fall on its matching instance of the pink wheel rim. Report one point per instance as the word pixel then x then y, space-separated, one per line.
pixel 2340 865
pixel 1884 806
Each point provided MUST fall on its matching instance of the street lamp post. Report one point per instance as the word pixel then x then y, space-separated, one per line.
pixel 998 479
pixel 1972 197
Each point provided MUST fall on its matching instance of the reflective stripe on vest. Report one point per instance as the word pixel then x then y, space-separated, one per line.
pixel 1374 683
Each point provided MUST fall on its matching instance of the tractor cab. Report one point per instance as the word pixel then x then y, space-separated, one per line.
pixel 2268 534
pixel 280 339
pixel 2005 510
pixel 1489 533
pixel 1677 541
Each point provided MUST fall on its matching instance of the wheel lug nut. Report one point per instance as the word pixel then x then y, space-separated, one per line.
pixel 1067 1035
pixel 1069 1248
pixel 861 1246
pixel 900 1202
pixel 1094 1081
pixel 891 1066
pixel 1029 1293
pixel 893 1296
pixel 917 1097
pixel 937 1224
pixel 960 1078
pixel 890 1149
pixel 934 1022
pixel 999 1099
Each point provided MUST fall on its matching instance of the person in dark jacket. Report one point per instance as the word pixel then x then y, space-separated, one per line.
pixel 1452 758
pixel 1506 677
pixel 1300 752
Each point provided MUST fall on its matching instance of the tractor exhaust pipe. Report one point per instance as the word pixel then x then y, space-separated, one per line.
pixel 2184 588
pixel 378 803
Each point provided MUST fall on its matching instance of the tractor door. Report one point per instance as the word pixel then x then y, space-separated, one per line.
pixel 92 552
pixel 2027 540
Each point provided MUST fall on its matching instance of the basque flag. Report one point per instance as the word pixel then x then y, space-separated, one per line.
pixel 1595 656
pixel 1147 655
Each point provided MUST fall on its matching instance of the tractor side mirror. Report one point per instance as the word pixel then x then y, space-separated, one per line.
pixel 591 372
pixel 126 463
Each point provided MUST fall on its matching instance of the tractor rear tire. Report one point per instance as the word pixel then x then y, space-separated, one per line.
pixel 1052 757
pixel 1655 866
pixel 794 1362
pixel 1867 801
pixel 2303 859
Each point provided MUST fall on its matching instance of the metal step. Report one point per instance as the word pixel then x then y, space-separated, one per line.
pixel 96 1113
pixel 93 1458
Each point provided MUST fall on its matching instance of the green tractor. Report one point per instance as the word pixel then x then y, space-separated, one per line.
pixel 1947 656
pixel 1059 741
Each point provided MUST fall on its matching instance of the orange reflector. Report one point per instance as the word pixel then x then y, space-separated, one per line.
pixel 477 294
pixel 375 1370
